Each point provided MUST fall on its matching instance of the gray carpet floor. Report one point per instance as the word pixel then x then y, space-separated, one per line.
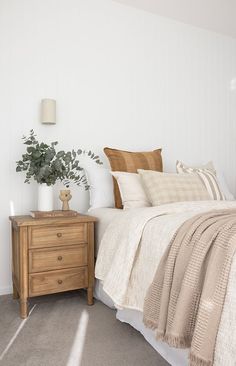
pixel 63 331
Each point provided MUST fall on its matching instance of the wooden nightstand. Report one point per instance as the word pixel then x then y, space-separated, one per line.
pixel 51 255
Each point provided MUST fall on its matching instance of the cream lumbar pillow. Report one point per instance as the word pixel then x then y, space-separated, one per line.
pixel 131 190
pixel 208 176
pixel 164 188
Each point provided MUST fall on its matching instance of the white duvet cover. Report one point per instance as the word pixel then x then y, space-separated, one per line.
pixel 131 249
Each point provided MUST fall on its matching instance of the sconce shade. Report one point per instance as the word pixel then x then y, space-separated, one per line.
pixel 48 111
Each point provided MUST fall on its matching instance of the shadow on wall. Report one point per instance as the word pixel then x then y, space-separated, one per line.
pixel 233 84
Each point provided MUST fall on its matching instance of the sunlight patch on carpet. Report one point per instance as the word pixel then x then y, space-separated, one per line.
pixel 12 340
pixel 78 344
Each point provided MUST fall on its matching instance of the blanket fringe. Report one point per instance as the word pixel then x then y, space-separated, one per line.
pixel 194 360
pixel 173 340
pixel 150 323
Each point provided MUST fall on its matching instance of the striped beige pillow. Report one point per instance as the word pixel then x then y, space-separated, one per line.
pixel 207 174
pixel 164 188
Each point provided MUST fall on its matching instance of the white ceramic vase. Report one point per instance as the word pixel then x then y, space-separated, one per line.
pixel 45 197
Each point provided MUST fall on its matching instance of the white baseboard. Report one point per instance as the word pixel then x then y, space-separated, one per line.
pixel 5 290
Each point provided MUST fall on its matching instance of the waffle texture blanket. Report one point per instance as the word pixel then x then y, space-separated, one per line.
pixel 185 300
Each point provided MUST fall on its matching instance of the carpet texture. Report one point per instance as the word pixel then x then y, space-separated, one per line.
pixel 63 331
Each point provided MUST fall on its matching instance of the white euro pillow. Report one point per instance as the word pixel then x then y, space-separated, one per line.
pixel 223 186
pixel 101 186
pixel 131 190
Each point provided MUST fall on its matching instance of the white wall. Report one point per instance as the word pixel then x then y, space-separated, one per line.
pixel 121 77
pixel 218 16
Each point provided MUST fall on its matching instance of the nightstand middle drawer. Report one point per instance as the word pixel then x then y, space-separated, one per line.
pixel 41 260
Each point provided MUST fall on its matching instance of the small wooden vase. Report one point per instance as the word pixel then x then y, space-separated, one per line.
pixel 65 197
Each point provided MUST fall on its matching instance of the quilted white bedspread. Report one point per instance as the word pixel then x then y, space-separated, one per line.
pixel 131 249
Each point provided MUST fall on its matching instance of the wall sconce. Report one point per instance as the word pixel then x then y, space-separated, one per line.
pixel 48 111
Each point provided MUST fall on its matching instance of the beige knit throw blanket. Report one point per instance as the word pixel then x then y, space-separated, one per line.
pixel 185 300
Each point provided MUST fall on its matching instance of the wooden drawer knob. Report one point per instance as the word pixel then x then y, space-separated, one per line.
pixel 59 282
pixel 59 257
pixel 59 235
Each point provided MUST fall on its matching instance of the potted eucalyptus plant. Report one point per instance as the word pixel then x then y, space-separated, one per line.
pixel 44 164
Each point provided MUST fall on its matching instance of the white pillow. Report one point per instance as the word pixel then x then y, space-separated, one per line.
pixel 183 168
pixel 101 186
pixel 223 186
pixel 131 190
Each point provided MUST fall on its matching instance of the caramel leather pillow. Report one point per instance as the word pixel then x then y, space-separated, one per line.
pixel 126 161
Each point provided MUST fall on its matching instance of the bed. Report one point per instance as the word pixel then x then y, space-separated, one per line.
pixel 129 246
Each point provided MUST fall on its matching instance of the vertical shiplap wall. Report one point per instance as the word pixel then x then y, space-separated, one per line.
pixel 121 77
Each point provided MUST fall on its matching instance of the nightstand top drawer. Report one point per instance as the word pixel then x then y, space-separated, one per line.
pixel 50 236
pixel 41 260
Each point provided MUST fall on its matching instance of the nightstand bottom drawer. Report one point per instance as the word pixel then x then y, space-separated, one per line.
pixel 57 281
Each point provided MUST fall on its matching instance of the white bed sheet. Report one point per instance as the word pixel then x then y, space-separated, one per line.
pixel 175 357
pixel 105 216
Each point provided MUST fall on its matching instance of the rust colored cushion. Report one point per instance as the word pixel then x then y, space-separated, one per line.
pixel 126 161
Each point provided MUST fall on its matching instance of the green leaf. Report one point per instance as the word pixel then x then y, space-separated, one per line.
pixel 60 154
pixel 30 149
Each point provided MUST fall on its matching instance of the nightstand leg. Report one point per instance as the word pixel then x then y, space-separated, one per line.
pixel 23 308
pixel 90 295
pixel 15 294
